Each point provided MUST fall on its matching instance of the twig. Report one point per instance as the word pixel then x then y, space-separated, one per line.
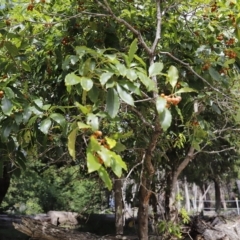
pixel 158 28
pixel 219 151
pixel 142 117
pixel 130 27
pixel 187 65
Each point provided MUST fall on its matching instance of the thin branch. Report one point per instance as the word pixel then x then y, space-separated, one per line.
pixel 219 151
pixel 130 172
pixel 187 65
pixel 142 118
pixel 158 28
pixel 122 21
pixel 184 163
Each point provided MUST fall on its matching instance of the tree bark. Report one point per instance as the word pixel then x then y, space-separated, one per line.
pixel 45 231
pixel 4 182
pixel 145 184
pixel 217 196
pixel 118 206
pixel 195 194
pixel 172 177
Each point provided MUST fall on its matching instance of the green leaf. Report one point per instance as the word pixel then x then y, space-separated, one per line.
pixel 9 93
pixel 26 114
pixel 94 145
pixel 119 147
pixel 72 79
pixel 111 142
pixel 229 62
pixel 131 74
pixel 131 87
pixel 12 49
pixel 113 102
pixel 116 169
pixel 216 108
pixel 172 76
pixel 27 136
pixel 58 118
pixel 93 94
pixel 46 107
pixel 6 128
pixel 92 163
pixel 185 90
pixel 71 143
pixel 132 50
pixel 125 96
pixel 38 102
pixel 82 125
pixel 146 81
pixel 93 121
pixel 155 69
pixel 105 77
pixel 105 177
pixel 84 109
pixel 140 60
pixel 104 153
pixel 165 118
pixel 6 106
pixel 215 74
pixel 18 117
pixel 161 104
pixel 121 69
pixel 196 145
pixel 25 66
pixel 21 160
pixel 45 125
pixel 86 83
pixel 119 160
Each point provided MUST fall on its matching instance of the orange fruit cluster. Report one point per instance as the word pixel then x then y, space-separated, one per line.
pixel 171 99
pixel 206 66
pixel 230 53
pixel 230 42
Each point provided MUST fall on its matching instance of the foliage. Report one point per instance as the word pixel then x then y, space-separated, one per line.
pixel 53 189
pixel 168 228
pixel 119 83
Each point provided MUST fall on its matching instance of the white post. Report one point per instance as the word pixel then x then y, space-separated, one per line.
pixel 236 199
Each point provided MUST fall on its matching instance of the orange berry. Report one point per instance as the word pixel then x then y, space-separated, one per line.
pixel 98 133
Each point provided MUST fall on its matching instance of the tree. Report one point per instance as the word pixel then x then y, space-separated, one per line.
pixel 71 69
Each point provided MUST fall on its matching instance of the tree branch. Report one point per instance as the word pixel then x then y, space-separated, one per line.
pixel 142 118
pixel 122 21
pixel 187 65
pixel 158 28
pixel 184 163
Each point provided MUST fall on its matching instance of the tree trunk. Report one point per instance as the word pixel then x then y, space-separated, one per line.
pixel 238 185
pixel 118 206
pixel 145 184
pixel 45 231
pixel 195 193
pixel 178 193
pixel 217 196
pixel 172 177
pixel 4 182
pixel 170 207
pixel 187 199
pixel 144 195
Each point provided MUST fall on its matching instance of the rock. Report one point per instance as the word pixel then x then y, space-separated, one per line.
pixel 223 231
pixel 61 217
